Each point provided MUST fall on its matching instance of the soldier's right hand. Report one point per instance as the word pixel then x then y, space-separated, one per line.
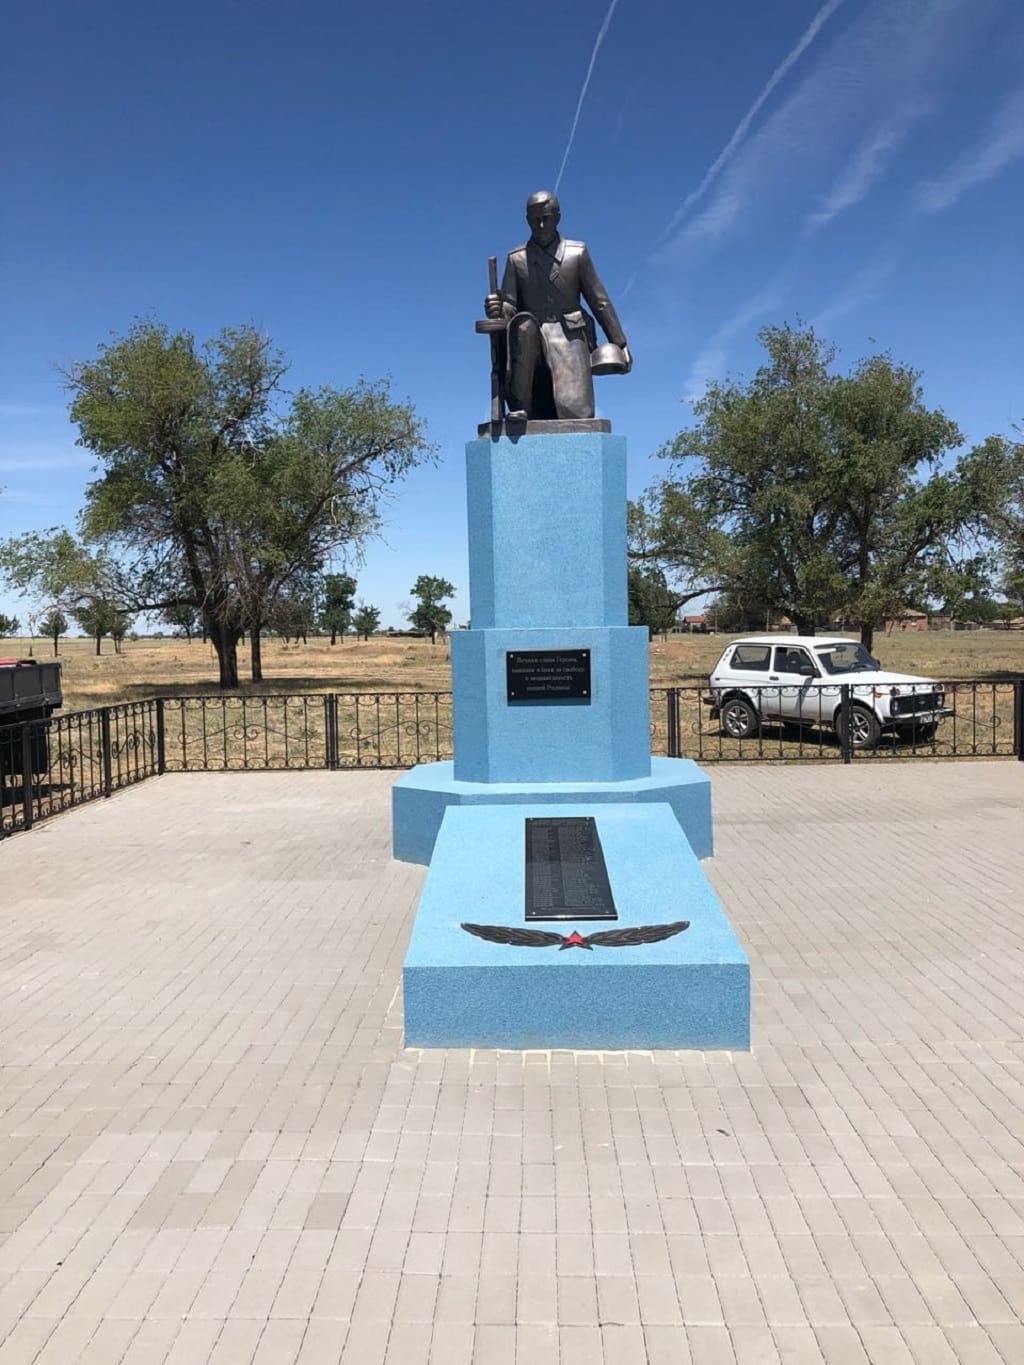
pixel 492 305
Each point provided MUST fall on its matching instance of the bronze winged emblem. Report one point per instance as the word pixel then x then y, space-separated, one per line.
pixel 605 938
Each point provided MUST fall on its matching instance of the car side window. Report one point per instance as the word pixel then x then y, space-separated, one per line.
pixel 751 658
pixel 790 660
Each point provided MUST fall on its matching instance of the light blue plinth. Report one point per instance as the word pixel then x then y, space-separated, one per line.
pixel 547 531
pixel 421 796
pixel 604 738
pixel 688 991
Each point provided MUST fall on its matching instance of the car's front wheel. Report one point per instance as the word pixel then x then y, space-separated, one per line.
pixel 865 730
pixel 739 719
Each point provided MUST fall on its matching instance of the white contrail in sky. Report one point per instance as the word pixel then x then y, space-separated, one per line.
pixel 742 128
pixel 864 286
pixel 866 166
pixel 710 362
pixel 1001 146
pixel 586 82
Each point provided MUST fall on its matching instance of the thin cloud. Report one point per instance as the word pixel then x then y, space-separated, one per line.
pixel 894 54
pixel 1001 146
pixel 15 409
pixel 865 167
pixel 583 92
pixel 743 127
pixel 710 362
pixel 31 499
pixel 865 285
pixel 27 464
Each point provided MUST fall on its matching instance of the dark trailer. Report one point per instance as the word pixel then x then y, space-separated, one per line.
pixel 29 691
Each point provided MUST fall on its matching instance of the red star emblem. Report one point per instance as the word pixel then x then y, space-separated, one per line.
pixel 575 940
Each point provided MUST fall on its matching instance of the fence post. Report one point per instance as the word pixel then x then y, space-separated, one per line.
pixel 672 720
pixel 27 790
pixel 161 738
pixel 1018 718
pixel 108 780
pixel 331 730
pixel 845 722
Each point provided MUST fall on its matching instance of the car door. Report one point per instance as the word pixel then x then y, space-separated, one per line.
pixel 796 676
pixel 748 669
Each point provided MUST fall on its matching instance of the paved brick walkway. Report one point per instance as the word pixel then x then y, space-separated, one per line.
pixel 213 1147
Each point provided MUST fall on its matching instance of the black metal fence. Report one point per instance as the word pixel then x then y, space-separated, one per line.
pixel 307 730
pixel 48 766
pixel 983 719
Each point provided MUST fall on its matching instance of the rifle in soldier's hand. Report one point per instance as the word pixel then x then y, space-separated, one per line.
pixel 494 327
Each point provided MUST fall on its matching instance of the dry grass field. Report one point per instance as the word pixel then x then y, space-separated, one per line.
pixel 149 668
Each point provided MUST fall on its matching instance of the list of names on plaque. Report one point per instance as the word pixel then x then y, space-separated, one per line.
pixel 566 876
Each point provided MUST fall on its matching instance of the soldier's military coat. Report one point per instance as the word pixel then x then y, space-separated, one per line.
pixel 545 285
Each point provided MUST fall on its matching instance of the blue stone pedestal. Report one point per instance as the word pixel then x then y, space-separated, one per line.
pixel 421 796
pixel 688 991
pixel 547 576
pixel 603 738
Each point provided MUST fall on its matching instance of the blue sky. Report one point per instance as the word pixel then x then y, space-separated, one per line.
pixel 339 174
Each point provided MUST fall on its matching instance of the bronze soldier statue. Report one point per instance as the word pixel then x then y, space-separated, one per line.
pixel 551 343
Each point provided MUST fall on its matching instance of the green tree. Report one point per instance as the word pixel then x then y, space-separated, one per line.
pixel 366 620
pixel 651 601
pixel 1013 587
pixel 998 469
pixel 666 531
pixel 9 625
pixel 120 625
pixel 291 616
pixel 336 604
pixel 99 618
pixel 58 569
pixel 816 495
pixel 208 493
pixel 905 532
pixel 73 580
pixel 54 624
pixel 430 614
pixel 980 609
pixel 735 617
pixel 182 617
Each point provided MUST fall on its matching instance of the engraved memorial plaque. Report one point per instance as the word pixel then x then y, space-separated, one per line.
pixel 547 674
pixel 566 877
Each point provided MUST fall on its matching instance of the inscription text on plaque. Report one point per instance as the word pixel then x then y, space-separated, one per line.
pixel 547 674
pixel 566 876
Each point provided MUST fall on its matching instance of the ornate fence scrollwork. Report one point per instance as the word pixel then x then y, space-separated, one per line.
pixel 247 733
pixel 393 729
pixel 135 742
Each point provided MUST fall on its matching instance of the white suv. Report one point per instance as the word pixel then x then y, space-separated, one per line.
pixel 797 679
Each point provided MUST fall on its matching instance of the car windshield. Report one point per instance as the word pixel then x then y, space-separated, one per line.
pixel 848 657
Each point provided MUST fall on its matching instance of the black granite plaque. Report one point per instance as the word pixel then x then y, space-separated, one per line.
pixel 547 674
pixel 566 877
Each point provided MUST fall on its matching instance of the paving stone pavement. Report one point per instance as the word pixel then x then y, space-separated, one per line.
pixel 213 1147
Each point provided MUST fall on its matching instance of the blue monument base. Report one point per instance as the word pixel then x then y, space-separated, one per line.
pixel 421 796
pixel 690 990
pixel 605 738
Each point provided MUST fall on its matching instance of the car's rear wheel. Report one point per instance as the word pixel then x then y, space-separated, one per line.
pixel 739 719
